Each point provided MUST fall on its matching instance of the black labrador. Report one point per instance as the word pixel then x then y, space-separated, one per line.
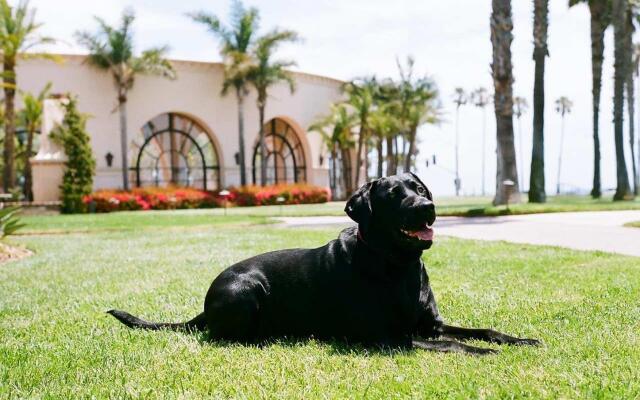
pixel 369 286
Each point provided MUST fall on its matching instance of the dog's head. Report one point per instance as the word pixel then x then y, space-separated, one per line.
pixel 398 209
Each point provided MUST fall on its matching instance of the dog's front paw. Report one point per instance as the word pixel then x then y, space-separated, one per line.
pixel 527 342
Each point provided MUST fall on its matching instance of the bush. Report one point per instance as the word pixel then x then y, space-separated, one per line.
pixel 80 166
pixel 180 198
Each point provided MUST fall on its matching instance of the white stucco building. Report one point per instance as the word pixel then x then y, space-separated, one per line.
pixel 184 131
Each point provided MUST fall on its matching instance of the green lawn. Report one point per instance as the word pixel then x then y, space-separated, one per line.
pixel 635 224
pixel 57 342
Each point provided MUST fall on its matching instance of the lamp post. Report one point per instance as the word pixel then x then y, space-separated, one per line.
pixel 224 194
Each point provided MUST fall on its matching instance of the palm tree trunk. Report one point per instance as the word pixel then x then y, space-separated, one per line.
pixel 28 175
pixel 501 37
pixel 263 147
pixel 241 159
pixel 9 80
pixel 390 157
pixel 560 155
pixel 366 161
pixel 396 154
pixel 484 147
pixel 598 27
pixel 412 149
pixel 620 72
pixel 631 97
pixel 346 172
pixel 359 153
pixel 334 175
pixel 537 192
pixel 380 157
pixel 122 108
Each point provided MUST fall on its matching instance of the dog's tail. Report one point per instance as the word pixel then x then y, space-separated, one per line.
pixel 199 323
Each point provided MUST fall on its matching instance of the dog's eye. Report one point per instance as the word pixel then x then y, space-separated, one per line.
pixel 421 190
pixel 395 191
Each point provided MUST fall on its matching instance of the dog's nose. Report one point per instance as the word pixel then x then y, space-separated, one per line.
pixel 427 209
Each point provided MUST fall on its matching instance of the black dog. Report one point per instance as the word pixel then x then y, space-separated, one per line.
pixel 369 286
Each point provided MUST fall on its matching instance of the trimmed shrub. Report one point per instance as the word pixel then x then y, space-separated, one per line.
pixel 80 166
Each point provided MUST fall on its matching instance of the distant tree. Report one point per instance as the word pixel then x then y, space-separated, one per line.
pixel 361 95
pixel 600 11
pixel 383 123
pixel 520 107
pixel 30 118
pixel 481 99
pixel 460 98
pixel 335 130
pixel 266 73
pixel 236 41
pixel 77 181
pixel 621 64
pixel 636 64
pixel 563 107
pixel 537 193
pixel 501 37
pixel 111 49
pixel 18 35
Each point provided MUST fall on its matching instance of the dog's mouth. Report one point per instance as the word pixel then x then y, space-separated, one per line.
pixel 423 233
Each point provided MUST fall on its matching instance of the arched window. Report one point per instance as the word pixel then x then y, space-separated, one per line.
pixel 173 149
pixel 284 154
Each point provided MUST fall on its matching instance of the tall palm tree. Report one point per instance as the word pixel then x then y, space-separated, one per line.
pixel 236 40
pixel 31 118
pixel 111 50
pixel 621 64
pixel 265 73
pixel 460 98
pixel 563 107
pixel 481 99
pixel 537 193
pixel 636 67
pixel 336 132
pixel 18 35
pixel 520 106
pixel 383 123
pixel 502 70
pixel 600 11
pixel 360 95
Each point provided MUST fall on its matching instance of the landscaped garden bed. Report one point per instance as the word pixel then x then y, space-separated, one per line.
pixel 171 198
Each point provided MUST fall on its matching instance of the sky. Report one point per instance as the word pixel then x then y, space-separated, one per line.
pixel 450 41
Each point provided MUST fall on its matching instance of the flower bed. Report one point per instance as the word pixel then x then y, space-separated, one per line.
pixel 170 198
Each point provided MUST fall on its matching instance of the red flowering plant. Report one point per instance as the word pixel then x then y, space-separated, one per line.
pixel 170 198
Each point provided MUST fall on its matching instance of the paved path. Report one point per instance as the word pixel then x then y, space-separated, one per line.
pixel 601 230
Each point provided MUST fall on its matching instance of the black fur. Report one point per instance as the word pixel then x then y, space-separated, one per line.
pixel 368 286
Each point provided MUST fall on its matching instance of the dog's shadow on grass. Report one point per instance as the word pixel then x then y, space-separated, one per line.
pixel 335 347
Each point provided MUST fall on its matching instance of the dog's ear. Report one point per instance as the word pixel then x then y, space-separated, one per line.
pixel 422 183
pixel 358 207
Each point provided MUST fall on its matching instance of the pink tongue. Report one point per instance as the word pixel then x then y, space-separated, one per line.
pixel 423 234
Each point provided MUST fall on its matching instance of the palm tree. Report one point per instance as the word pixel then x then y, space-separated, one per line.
pixel 460 98
pixel 383 123
pixel 336 132
pixel 481 99
pixel 236 41
pixel 418 106
pixel 111 50
pixel 520 106
pixel 265 73
pixel 636 64
pixel 619 10
pixel 360 95
pixel 563 107
pixel 18 34
pixel 537 193
pixel 600 11
pixel 502 69
pixel 30 118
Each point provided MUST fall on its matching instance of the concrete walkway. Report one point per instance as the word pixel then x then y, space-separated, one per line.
pixel 601 230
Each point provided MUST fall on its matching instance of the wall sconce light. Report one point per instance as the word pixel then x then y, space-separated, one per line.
pixel 321 159
pixel 109 158
pixel 236 156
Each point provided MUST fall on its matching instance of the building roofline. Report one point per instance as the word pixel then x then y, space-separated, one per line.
pixel 82 57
